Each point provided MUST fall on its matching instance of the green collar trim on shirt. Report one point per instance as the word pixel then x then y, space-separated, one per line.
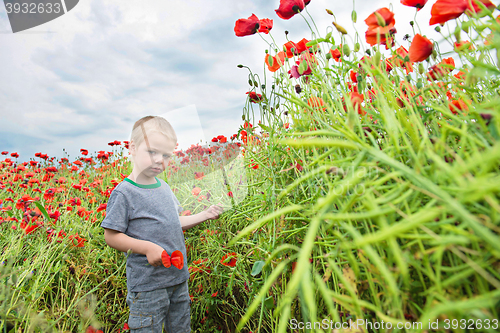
pixel 158 184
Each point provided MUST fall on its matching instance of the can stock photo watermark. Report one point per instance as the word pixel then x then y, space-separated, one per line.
pixel 26 14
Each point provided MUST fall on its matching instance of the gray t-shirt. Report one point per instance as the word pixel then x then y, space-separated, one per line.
pixel 148 212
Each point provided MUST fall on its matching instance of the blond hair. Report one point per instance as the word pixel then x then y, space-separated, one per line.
pixel 148 125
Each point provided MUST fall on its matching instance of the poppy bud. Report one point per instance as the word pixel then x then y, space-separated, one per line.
pixel 329 11
pixel 466 26
pixel 255 83
pixel 412 23
pixel 302 67
pixel 340 28
pixel 457 33
pixel 298 89
pixel 354 16
pixel 240 66
pixel 286 32
pixel 243 117
pixel 377 57
pixel 263 86
pixel 421 68
pixel 419 82
pixel 250 82
pixel 328 56
pixel 346 50
pixel 368 52
pixel 380 19
pixel 437 28
pixel 357 47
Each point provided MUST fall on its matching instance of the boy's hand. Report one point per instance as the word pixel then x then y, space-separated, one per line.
pixel 153 254
pixel 213 212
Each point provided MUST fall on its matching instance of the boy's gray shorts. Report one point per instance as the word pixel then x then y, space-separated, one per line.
pixel 150 310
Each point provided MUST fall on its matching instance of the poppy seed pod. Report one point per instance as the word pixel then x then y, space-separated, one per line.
pixel 346 50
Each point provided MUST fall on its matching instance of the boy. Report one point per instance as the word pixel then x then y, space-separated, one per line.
pixel 142 215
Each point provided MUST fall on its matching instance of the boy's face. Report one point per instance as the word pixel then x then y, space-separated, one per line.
pixel 151 157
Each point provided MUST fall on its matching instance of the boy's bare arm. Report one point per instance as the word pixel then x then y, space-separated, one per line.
pixel 211 213
pixel 122 242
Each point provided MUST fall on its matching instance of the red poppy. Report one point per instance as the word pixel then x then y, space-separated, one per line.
pixel 254 97
pixel 199 175
pixel 444 67
pixel 380 18
pixel 353 75
pixel 356 100
pixel 301 46
pixel 229 259
pixel 84 151
pixel 5 152
pixel 177 259
pixel 247 27
pixel 458 105
pixel 316 102
pixel 77 241
pixel 15 155
pixel 460 75
pixel 75 201
pixel 288 8
pixel 476 8
pixel 165 259
pixel 465 45
pixel 399 59
pixel 383 35
pixel 275 63
pixel 196 191
pixel 419 4
pixel 101 207
pixel 29 229
pixel 381 27
pixel 296 48
pixel 114 143
pixel 266 25
pixel 215 294
pixel 444 10
pixel 420 48
pixel 335 54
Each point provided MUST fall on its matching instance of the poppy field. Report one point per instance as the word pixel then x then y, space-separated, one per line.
pixel 363 186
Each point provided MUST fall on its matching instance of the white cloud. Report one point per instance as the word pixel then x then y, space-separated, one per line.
pixel 82 80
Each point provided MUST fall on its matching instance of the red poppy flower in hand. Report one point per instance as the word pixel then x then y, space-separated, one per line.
pixel 177 259
pixel 420 49
pixel 247 27
pixel 165 259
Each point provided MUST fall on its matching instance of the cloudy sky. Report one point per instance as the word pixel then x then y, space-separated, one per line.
pixel 83 79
